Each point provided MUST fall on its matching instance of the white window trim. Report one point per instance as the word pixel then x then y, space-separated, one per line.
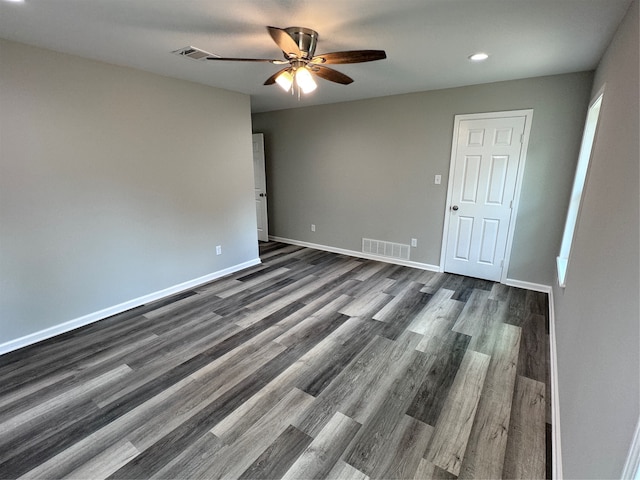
pixel 579 186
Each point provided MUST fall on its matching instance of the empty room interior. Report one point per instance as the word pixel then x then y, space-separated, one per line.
pixel 339 239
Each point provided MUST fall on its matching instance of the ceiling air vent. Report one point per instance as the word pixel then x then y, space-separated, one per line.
pixel 194 53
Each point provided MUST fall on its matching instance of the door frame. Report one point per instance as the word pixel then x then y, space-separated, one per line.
pixel 263 188
pixel 528 114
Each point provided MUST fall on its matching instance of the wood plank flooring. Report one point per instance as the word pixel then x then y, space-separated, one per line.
pixel 310 365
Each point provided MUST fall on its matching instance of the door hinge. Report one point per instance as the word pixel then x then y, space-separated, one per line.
pixel 501 263
pixel 522 138
pixel 511 204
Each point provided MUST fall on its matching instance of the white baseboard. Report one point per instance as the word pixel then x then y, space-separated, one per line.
pixel 556 450
pixel 354 253
pixel 122 307
pixel 631 469
pixel 536 287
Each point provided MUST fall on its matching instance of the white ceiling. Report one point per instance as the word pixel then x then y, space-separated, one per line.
pixel 427 41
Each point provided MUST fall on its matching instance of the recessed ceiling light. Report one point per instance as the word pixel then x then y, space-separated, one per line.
pixel 478 57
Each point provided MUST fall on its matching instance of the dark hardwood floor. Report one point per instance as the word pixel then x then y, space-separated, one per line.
pixel 311 365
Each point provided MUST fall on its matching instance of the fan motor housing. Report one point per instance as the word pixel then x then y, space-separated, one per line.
pixel 305 38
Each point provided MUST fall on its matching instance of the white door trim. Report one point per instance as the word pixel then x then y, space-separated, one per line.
pixel 528 114
pixel 260 187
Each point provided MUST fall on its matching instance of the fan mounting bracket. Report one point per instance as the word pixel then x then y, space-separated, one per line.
pixel 305 38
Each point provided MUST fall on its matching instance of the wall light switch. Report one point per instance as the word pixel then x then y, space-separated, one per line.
pixel 414 242
pixel 313 227
pixel 218 249
pixel 438 179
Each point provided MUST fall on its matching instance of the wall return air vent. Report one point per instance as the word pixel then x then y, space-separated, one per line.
pixel 386 249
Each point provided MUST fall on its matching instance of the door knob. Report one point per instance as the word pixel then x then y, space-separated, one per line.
pixel 454 208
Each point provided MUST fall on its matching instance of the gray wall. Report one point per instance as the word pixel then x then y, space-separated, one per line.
pixel 366 168
pixel 597 319
pixel 114 184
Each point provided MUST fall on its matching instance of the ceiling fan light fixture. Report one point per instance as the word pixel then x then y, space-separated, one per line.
pixel 285 80
pixel 305 81
pixel 298 45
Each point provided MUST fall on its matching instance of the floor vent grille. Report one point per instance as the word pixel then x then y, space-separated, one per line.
pixel 386 249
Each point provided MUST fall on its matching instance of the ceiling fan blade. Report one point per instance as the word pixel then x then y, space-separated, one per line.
pixel 351 56
pixel 233 59
pixel 331 74
pixel 272 79
pixel 284 41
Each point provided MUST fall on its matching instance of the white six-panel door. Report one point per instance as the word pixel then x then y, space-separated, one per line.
pixel 260 187
pixel 486 157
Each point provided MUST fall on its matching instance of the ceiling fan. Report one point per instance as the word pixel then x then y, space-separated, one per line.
pixel 298 45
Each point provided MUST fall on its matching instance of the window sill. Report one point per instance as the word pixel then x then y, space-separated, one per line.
pixel 561 264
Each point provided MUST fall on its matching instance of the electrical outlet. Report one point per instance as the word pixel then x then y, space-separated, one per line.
pixel 438 179
pixel 218 249
pixel 313 227
pixel 414 242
